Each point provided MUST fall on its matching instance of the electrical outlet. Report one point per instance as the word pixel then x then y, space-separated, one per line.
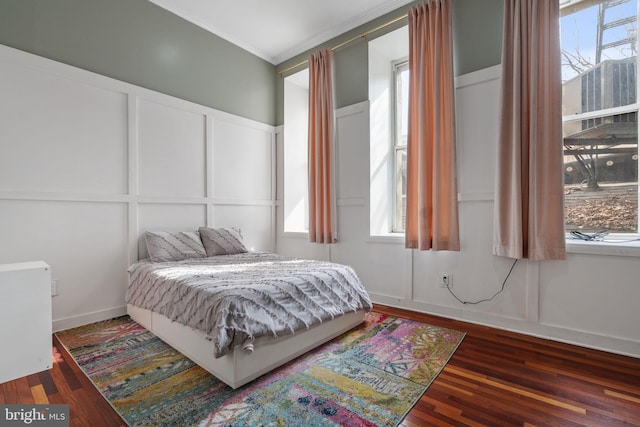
pixel 446 280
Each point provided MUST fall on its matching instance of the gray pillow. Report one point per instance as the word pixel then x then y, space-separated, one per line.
pixel 166 246
pixel 222 241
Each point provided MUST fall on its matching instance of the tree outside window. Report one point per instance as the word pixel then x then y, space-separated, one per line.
pixel 600 115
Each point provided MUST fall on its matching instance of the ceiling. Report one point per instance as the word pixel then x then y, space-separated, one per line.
pixel 277 30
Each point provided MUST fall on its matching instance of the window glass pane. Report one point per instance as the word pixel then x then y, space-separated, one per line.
pixel 401 189
pixel 401 73
pixel 599 71
pixel 403 104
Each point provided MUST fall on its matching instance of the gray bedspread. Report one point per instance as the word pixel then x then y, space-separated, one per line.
pixel 233 298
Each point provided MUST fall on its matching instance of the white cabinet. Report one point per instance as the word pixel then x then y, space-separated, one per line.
pixel 25 319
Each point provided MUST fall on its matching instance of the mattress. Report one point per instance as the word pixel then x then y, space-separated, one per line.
pixel 240 298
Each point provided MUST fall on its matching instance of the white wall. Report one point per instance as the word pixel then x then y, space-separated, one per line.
pixel 88 163
pixel 589 299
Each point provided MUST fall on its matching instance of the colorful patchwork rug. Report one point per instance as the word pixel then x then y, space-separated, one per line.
pixel 370 376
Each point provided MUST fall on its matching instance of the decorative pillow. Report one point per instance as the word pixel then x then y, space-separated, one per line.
pixel 167 246
pixel 222 241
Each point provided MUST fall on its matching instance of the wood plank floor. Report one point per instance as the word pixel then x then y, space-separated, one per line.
pixel 495 378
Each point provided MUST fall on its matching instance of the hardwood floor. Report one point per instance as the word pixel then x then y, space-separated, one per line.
pixel 495 378
pixel 500 378
pixel 63 383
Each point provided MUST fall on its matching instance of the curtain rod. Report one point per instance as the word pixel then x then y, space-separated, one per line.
pixel 338 46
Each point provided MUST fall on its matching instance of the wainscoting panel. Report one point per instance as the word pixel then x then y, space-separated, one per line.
pixel 83 242
pixel 352 136
pixel 172 150
pixel 89 163
pixel 477 112
pixel 60 135
pixel 242 161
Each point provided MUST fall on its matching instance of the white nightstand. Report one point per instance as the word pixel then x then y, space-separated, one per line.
pixel 25 319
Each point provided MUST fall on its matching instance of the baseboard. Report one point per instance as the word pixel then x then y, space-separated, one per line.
pixel 85 319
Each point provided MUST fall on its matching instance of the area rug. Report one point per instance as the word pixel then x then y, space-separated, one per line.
pixel 370 376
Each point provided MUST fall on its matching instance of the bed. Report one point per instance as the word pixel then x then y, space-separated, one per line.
pixel 238 313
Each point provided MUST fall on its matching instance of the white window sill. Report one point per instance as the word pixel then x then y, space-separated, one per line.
pixel 612 247
pixel 395 238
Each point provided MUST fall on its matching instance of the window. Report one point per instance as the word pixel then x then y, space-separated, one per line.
pixel 296 107
pixel 600 115
pixel 388 105
pixel 400 126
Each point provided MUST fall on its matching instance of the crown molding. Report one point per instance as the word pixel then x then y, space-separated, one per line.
pixel 338 30
pixel 305 45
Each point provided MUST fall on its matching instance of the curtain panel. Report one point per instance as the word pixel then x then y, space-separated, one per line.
pixel 432 194
pixel 529 204
pixel 322 203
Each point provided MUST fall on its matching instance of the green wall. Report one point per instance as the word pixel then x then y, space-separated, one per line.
pixel 477 32
pixel 140 43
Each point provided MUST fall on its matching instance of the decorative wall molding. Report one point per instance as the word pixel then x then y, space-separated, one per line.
pixel 163 140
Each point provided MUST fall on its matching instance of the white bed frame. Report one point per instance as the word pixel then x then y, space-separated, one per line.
pixel 239 367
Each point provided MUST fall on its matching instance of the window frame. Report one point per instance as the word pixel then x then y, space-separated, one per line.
pixel 383 51
pixel 398 67
pixel 615 243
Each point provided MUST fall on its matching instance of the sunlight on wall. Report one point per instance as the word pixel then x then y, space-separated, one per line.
pixel 296 203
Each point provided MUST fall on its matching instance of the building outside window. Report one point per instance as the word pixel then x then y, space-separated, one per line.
pixel 600 115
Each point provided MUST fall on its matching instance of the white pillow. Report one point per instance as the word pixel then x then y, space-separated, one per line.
pixel 222 241
pixel 166 246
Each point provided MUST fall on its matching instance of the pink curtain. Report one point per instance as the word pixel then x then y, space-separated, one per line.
pixel 529 211
pixel 432 194
pixel 322 210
